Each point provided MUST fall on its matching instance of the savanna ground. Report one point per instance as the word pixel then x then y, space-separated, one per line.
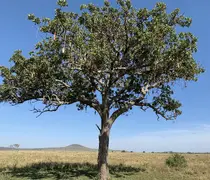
pixel 46 165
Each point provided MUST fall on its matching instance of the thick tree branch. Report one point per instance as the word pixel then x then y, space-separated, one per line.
pixel 117 113
pixel 92 103
pixel 126 108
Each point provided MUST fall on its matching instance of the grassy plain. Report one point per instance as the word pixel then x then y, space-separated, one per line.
pixel 46 165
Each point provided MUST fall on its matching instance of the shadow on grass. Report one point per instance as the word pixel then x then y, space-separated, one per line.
pixel 56 170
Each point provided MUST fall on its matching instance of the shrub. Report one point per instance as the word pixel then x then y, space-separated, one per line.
pixel 123 151
pixel 176 160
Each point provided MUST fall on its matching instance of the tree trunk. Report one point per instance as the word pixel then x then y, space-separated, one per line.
pixel 103 154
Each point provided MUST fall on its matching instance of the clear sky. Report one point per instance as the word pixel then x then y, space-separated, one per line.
pixel 139 130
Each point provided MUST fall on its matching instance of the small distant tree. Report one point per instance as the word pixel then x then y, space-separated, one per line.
pixel 143 151
pixel 111 59
pixel 15 146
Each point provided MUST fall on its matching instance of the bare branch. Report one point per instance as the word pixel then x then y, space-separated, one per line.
pixel 63 83
pixel 51 104
pixel 48 108
pixel 155 109
pixel 98 128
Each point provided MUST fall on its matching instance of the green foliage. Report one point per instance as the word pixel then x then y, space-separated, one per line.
pixel 62 3
pixel 34 19
pixel 176 160
pixel 107 58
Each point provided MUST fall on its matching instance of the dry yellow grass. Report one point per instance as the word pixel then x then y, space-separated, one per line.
pixel 198 164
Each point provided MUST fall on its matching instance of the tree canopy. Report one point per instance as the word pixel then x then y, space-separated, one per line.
pixel 122 56
pixel 107 58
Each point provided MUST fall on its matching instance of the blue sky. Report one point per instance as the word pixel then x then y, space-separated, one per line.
pixel 139 130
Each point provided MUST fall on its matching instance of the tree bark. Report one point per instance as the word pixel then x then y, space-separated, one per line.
pixel 103 154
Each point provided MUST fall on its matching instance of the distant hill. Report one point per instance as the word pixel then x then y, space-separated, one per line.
pixel 73 147
pixel 78 147
pixel 5 148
